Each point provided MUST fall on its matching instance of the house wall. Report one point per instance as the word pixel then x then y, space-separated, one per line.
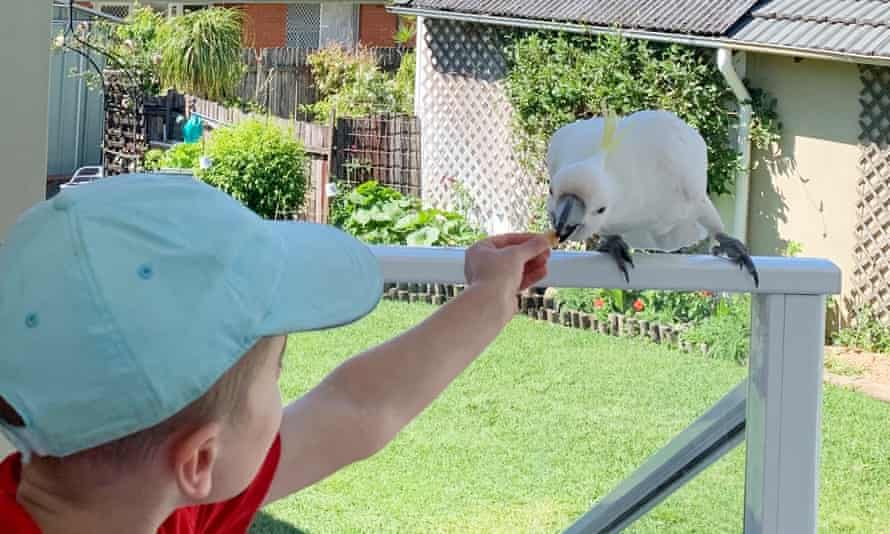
pixel 809 194
pixel 376 25
pixel 265 25
pixel 25 26
pixel 75 114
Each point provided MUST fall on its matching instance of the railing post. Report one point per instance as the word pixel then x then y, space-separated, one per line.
pixel 784 414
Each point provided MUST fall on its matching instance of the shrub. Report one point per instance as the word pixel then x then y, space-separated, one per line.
pixel 260 165
pixel 867 333
pixel 201 53
pixel 153 159
pixel 180 156
pixel 131 47
pixel 673 307
pixel 555 79
pixel 380 215
pixel 198 53
pixel 599 302
pixel 352 84
pixel 679 306
pixel 728 332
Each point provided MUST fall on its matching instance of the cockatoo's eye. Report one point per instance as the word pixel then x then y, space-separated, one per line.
pixel 601 211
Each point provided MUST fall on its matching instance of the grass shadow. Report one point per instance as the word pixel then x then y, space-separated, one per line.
pixel 264 523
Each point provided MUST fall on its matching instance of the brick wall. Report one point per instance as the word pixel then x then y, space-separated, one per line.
pixel 376 25
pixel 265 25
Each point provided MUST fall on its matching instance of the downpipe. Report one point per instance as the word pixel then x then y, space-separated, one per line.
pixel 746 113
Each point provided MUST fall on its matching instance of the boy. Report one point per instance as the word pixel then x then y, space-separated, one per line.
pixel 143 322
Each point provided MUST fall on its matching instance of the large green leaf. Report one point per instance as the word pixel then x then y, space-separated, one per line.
pixel 408 221
pixel 425 237
pixel 362 216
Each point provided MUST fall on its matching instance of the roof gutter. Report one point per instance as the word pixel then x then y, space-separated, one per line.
pixel 660 37
pixel 746 113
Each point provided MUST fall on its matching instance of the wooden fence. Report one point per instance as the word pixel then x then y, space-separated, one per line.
pixel 383 148
pixel 280 79
pixel 348 151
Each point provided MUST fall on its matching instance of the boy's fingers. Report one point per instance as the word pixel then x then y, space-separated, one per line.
pixel 507 240
pixel 537 263
pixel 533 277
pixel 532 248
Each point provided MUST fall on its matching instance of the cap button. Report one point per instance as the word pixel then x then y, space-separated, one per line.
pixel 62 202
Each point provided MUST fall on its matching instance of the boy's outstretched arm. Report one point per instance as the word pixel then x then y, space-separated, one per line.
pixel 363 404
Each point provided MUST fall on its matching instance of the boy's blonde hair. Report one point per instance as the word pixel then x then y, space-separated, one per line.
pixel 222 402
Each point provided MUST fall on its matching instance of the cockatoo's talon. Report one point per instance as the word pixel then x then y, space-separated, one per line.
pixel 736 252
pixel 616 247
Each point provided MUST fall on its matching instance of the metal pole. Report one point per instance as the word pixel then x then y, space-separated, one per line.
pixel 784 414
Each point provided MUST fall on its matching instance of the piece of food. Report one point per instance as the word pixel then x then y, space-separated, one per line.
pixel 552 238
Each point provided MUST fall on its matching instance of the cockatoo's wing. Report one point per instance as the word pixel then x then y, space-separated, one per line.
pixel 659 166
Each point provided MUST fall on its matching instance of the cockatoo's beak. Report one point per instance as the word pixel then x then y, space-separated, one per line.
pixel 568 217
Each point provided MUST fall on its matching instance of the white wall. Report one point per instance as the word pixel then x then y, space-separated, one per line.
pixel 24 62
pixel 810 195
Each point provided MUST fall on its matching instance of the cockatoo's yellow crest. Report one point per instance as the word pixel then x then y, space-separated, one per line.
pixel 610 139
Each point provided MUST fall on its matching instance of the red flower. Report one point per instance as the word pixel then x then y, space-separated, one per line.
pixel 707 294
pixel 599 304
pixel 639 305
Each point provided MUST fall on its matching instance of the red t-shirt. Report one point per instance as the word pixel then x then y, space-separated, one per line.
pixel 229 517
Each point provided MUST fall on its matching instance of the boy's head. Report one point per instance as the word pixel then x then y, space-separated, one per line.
pixel 143 319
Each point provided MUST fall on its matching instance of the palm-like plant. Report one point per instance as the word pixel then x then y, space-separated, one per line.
pixel 201 53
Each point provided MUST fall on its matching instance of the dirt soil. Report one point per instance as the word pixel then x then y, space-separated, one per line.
pixel 860 371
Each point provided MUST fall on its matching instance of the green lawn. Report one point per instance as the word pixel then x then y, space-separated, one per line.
pixel 549 420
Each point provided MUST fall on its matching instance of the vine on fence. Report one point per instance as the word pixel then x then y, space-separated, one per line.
pixel 556 78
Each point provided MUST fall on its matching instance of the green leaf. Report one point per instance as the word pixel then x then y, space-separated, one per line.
pixel 408 221
pixel 362 216
pixel 425 237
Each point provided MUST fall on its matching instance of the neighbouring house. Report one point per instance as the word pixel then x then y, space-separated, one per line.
pixel 76 112
pixel 292 24
pixel 827 63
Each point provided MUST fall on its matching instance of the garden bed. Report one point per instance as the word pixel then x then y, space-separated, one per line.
pixel 865 372
pixel 546 308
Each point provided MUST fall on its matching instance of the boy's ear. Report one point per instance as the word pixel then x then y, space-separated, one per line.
pixel 194 457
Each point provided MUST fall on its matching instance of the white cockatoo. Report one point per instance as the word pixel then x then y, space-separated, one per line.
pixel 638 181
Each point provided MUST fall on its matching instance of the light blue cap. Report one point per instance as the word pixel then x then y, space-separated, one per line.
pixel 124 300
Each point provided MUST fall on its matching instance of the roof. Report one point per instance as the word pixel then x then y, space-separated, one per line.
pixel 860 27
pixel 857 30
pixel 702 17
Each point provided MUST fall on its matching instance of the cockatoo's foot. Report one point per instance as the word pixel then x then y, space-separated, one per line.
pixel 616 247
pixel 737 252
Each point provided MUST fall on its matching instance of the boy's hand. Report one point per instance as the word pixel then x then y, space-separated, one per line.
pixel 508 263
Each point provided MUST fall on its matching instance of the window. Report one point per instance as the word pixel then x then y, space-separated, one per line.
pixel 115 10
pixel 303 25
pixel 121 9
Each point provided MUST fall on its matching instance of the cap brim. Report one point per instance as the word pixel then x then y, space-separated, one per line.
pixel 329 279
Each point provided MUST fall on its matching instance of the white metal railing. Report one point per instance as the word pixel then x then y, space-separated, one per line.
pixel 781 399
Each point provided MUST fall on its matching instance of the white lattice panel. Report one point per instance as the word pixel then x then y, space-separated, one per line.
pixel 466 119
pixel 872 253
pixel 303 25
